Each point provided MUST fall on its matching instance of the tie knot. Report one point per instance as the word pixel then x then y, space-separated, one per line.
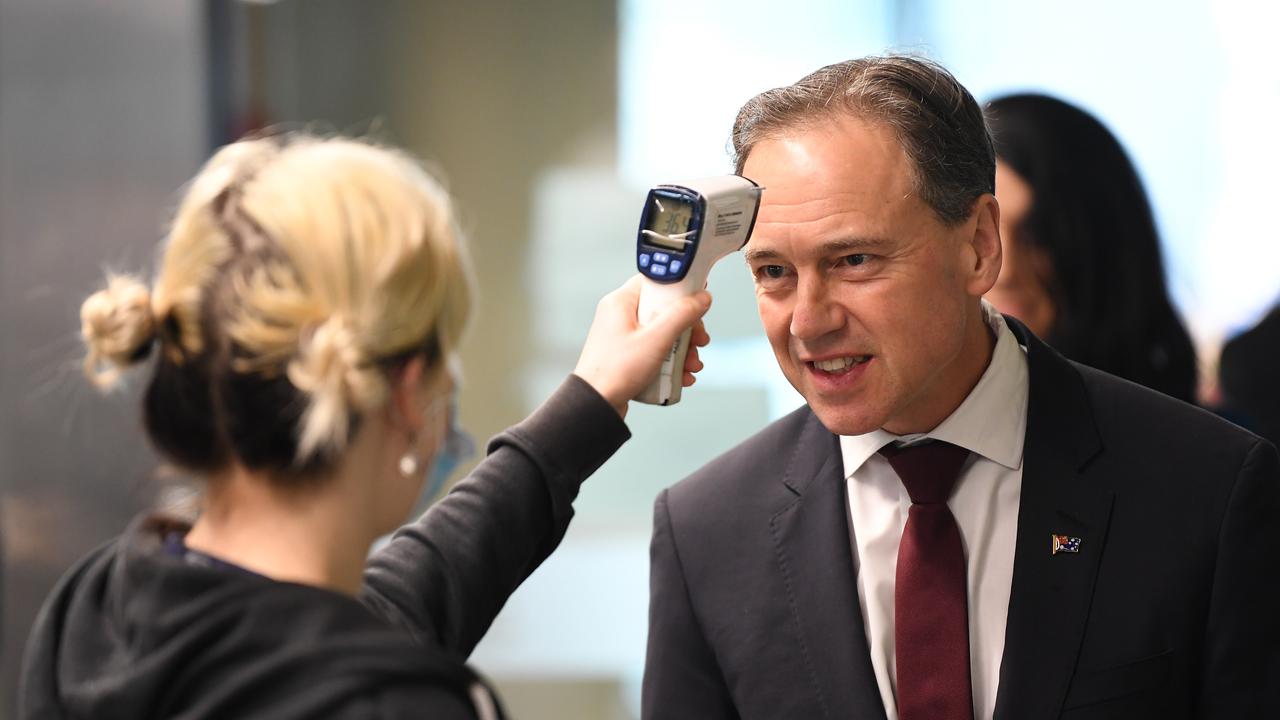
pixel 928 470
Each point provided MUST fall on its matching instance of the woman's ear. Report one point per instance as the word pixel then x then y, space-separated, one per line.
pixel 405 406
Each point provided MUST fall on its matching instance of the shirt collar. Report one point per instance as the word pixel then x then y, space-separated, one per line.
pixel 992 420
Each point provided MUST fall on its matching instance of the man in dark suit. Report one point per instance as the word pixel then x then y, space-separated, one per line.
pixel 960 523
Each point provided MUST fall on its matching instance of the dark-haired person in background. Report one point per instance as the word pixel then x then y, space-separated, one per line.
pixel 1249 380
pixel 1082 264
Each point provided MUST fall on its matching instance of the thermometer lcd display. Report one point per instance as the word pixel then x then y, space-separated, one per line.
pixel 669 222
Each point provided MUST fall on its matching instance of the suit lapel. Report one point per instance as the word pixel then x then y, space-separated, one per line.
pixel 1050 595
pixel 811 532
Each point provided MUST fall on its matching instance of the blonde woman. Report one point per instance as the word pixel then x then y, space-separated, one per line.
pixel 300 336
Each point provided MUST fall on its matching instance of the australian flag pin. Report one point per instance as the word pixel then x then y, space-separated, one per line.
pixel 1065 544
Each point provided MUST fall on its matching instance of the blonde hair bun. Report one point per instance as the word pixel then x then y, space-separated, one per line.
pixel 335 371
pixel 117 326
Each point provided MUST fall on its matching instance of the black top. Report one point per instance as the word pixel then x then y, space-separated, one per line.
pixel 136 630
pixel 1249 374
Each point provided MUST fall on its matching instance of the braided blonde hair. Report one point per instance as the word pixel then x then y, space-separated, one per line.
pixel 297 258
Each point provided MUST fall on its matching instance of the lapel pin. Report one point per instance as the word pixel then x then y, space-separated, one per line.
pixel 1065 544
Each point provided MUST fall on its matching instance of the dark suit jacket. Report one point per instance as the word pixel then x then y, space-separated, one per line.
pixel 1169 610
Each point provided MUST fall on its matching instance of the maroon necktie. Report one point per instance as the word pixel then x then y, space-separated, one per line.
pixel 931 618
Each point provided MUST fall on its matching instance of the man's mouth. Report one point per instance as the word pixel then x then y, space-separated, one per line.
pixel 839 365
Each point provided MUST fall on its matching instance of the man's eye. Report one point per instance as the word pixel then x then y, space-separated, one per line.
pixel 854 260
pixel 772 271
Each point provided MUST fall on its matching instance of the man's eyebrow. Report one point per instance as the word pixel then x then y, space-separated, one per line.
pixel 757 254
pixel 848 246
pixel 845 246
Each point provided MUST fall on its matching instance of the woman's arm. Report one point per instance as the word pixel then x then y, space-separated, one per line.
pixel 445 577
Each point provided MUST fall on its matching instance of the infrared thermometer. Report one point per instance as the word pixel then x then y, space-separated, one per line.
pixel 684 229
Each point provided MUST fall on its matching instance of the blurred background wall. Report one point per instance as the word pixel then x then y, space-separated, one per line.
pixel 548 120
pixel 103 114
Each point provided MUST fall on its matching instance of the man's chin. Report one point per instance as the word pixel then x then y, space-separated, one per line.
pixel 842 421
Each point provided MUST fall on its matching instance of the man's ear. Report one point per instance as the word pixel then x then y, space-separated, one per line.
pixel 984 243
pixel 405 406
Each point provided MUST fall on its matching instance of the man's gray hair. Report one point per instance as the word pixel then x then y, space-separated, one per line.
pixel 939 124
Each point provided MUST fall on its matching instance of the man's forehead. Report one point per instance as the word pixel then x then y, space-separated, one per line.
pixel 815 162
pixel 833 182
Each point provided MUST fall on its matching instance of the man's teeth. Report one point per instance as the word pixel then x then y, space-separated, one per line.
pixel 838 364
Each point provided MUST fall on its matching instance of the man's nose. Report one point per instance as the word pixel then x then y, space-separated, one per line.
pixel 815 314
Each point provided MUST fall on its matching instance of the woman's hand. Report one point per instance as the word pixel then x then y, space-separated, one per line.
pixel 620 357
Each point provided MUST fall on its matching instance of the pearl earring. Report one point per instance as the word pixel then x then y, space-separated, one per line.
pixel 408 464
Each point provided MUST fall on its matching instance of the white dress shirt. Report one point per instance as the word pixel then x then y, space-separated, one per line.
pixel 991 423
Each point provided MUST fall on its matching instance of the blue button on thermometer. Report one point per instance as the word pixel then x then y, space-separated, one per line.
pixel 687 227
